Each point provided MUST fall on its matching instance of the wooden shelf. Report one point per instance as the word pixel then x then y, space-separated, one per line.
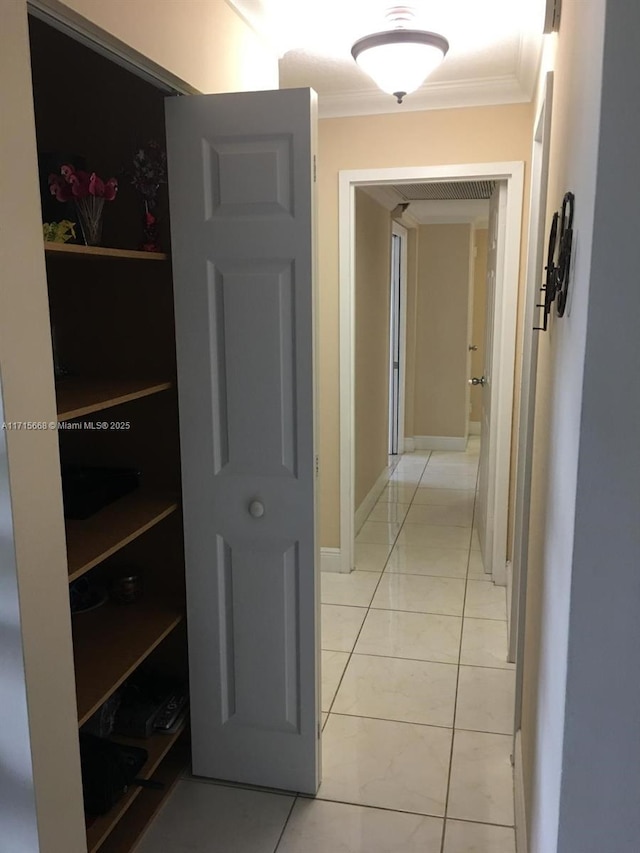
pixel 78 397
pixel 157 746
pixel 75 250
pixel 112 641
pixel 91 541
pixel 131 827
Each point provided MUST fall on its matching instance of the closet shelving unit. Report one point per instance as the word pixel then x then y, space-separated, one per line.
pixel 111 642
pixel 112 323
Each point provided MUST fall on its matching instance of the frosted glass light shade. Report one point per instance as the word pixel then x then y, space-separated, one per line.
pixel 400 60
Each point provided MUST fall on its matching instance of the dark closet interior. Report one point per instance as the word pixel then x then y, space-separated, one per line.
pixel 111 308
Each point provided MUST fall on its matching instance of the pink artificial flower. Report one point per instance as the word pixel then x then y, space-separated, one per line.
pixel 110 189
pixel 58 188
pixel 96 186
pixel 79 184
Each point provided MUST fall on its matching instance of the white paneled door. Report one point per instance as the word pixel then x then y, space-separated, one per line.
pixel 241 182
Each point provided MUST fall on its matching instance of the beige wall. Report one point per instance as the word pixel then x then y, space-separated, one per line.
pixel 442 317
pixel 410 334
pixel 373 243
pixel 482 134
pixel 601 750
pixel 210 48
pixel 206 44
pixel 479 318
pixel 34 469
pixel 552 575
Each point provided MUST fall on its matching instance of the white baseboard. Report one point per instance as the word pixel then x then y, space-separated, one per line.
pixel 511 639
pixel 330 560
pixel 520 802
pixel 409 444
pixel 474 427
pixel 369 502
pixel 439 442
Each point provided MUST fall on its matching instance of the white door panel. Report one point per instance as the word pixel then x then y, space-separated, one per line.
pixel 241 190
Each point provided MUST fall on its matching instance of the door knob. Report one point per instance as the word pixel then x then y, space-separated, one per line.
pixel 256 509
pixel 476 381
pixel 473 348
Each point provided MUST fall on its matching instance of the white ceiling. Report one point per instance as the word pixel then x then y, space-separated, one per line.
pixel 495 48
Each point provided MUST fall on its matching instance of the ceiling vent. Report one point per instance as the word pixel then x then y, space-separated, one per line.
pixel 447 191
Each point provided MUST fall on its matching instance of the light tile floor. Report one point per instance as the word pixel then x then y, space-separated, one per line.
pixel 417 697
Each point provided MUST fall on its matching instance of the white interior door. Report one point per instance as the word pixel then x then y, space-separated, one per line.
pixel 242 199
pixel 485 504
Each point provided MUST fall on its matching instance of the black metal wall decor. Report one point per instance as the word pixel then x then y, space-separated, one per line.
pixel 556 286
pixel 549 287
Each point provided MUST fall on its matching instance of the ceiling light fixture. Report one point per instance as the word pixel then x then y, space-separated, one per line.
pixel 400 59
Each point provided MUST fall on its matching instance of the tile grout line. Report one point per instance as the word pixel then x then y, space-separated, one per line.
pixel 424 660
pixel 286 823
pixel 222 783
pixel 424 612
pixel 455 703
pixel 351 653
pixel 399 811
pixel 434 613
pixel 420 575
pixel 403 610
pixel 416 722
pixel 466 580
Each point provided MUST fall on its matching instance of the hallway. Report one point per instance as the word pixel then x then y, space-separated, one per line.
pixel 417 697
pixel 417 635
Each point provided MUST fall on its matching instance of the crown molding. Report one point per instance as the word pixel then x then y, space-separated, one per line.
pixel 516 87
pixel 462 93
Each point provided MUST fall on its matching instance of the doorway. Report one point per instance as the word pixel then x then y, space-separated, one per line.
pixel 415 321
pixel 512 173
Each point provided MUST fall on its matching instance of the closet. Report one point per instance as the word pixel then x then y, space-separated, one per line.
pixel 242 181
pixel 111 310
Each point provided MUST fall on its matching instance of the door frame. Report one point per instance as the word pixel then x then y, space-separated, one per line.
pixel 486 508
pixel 399 230
pixel 535 261
pixel 505 329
